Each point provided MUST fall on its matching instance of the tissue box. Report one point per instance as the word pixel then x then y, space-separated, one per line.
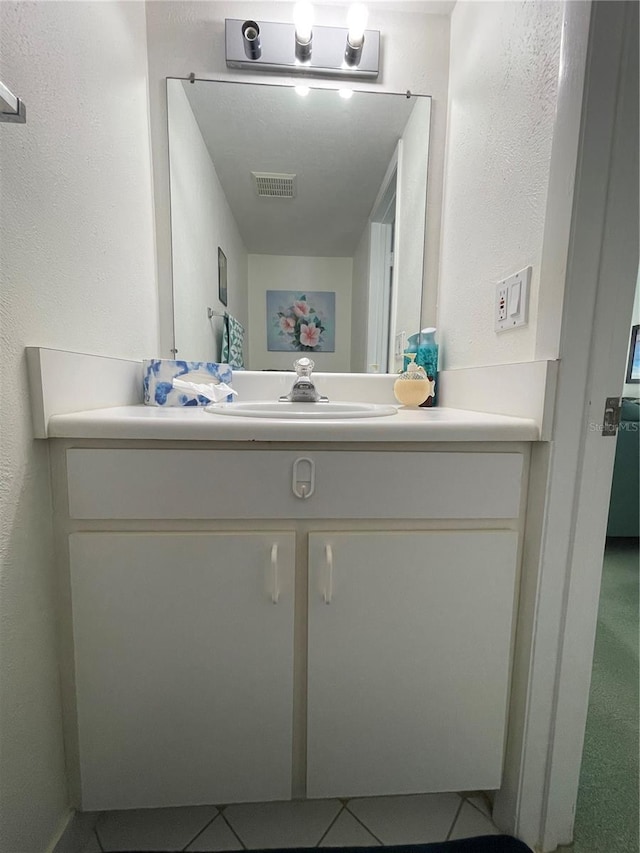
pixel 159 373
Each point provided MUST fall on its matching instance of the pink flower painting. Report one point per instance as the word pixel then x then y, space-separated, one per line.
pixel 300 308
pixel 300 322
pixel 288 325
pixel 309 335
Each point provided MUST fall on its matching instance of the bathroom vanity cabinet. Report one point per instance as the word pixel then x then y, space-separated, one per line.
pixel 287 620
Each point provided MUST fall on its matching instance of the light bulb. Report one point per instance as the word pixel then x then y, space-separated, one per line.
pixel 303 21
pixel 357 21
pixel 345 93
pixel 303 91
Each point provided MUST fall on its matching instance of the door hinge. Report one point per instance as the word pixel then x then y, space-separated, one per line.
pixel 611 418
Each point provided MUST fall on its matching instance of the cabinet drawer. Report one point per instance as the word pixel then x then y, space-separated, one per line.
pixel 232 484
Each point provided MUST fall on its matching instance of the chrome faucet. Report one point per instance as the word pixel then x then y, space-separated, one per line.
pixel 303 390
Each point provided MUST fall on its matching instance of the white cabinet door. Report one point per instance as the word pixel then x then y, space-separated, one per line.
pixel 184 667
pixel 409 655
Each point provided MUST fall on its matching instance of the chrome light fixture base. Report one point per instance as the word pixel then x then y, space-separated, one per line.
pixel 251 40
pixel 353 54
pixel 303 50
pixel 278 51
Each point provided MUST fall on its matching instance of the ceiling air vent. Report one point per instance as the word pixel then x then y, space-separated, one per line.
pixel 274 185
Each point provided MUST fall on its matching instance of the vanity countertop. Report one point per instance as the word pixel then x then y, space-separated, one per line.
pixel 194 424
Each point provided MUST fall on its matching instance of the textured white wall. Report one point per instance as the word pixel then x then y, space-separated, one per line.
pixel 503 83
pixel 201 220
pixel 77 262
pixel 279 272
pixel 189 36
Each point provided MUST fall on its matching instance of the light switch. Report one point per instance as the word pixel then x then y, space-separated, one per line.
pixel 514 298
pixel 512 301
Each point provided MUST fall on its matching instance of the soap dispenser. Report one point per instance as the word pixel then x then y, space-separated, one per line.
pixel 412 347
pixel 412 387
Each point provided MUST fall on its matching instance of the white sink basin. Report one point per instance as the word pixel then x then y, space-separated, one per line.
pixel 301 411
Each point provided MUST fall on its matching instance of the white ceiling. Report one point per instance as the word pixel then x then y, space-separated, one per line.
pixel 339 149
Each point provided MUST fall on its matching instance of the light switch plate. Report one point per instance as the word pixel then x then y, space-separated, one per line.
pixel 512 301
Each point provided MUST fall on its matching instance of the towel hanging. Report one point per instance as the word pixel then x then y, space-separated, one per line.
pixel 232 342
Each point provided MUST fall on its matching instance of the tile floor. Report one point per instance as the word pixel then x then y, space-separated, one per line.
pixel 371 821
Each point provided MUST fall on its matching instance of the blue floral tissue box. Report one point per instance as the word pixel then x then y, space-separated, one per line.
pixel 159 373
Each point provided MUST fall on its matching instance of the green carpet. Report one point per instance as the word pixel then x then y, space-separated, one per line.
pixel 607 811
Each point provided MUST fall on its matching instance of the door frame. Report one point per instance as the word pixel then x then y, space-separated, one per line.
pixel 382 304
pixel 538 802
pixel 379 296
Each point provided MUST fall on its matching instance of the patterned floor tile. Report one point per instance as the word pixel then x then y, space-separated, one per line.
pixel 92 845
pixel 471 823
pixel 285 824
pixel 217 836
pixel 415 819
pixel 152 829
pixel 348 832
pixel 481 804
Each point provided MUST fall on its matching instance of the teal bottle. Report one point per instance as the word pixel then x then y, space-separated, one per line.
pixel 413 342
pixel 427 357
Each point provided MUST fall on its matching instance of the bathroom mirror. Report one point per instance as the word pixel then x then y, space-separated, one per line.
pixel 316 199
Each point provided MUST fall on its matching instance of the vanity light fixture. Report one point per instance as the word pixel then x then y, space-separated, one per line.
pixel 302 48
pixel 356 21
pixel 303 21
pixel 251 40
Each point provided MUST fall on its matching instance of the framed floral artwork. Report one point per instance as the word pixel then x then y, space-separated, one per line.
pixel 301 321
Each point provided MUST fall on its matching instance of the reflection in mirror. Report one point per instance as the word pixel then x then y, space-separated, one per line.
pixel 317 203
